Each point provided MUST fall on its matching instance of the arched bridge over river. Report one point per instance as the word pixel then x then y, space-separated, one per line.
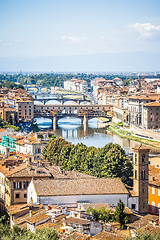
pixel 84 112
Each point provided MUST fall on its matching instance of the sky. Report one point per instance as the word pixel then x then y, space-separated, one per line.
pixel 45 28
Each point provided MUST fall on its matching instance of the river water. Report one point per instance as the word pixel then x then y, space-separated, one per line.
pixel 73 131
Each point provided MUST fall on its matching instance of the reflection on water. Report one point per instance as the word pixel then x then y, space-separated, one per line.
pixel 94 134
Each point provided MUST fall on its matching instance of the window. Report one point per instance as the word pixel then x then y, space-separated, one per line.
pixel 159 205
pixel 133 206
pixel 153 189
pixel 27 184
pixel 25 195
pixel 141 174
pixel 17 195
pixel 159 191
pixel 135 158
pixel 143 157
pixel 135 174
pixel 24 185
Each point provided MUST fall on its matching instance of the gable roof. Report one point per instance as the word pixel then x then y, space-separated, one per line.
pixel 90 186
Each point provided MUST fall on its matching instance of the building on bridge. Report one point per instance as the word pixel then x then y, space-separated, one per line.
pixel 84 112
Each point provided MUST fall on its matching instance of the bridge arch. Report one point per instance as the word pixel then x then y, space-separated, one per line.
pixel 70 102
pixel 53 102
pixel 85 103
pixel 71 120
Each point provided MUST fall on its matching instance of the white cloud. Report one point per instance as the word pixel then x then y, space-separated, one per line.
pixel 110 39
pixel 8 44
pixel 145 29
pixel 74 39
pixel 18 40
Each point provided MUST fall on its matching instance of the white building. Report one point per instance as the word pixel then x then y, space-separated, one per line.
pixel 76 85
pixel 67 191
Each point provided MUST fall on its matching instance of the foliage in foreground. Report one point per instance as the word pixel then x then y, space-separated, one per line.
pixel 10 85
pixel 101 214
pixel 109 215
pixel 120 215
pixel 145 236
pixel 7 124
pixel 23 234
pixel 109 161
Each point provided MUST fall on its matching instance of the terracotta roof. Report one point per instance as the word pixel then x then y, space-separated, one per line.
pixel 150 229
pixel 20 142
pixel 142 221
pixel 7 171
pixel 152 104
pixel 133 193
pixel 77 236
pixel 38 217
pixel 154 175
pixel 141 147
pixel 90 186
pixel 107 236
pixel 144 97
pixel 13 209
pixel 31 172
pixel 79 221
pixel 2 130
pixel 49 224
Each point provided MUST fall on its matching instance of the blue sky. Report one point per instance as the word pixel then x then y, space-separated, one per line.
pixel 78 27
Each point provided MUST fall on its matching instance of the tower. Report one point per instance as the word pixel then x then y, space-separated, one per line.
pixel 140 176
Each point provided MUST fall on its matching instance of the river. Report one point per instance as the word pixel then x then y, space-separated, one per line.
pixel 73 131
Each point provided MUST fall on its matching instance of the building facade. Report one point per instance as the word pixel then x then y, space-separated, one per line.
pixel 140 177
pixel 151 115
pixel 25 110
pixel 154 189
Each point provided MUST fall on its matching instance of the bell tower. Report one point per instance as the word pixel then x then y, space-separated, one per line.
pixel 140 176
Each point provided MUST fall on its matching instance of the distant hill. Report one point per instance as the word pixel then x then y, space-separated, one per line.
pixel 138 61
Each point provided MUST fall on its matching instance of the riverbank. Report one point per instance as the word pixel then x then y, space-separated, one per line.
pixel 153 145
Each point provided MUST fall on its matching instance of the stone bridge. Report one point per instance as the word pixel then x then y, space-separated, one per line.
pixel 61 99
pixel 84 112
pixel 29 87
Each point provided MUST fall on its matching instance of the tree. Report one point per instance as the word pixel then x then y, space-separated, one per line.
pixel 23 234
pixel 101 214
pixel 52 150
pixel 89 160
pixel 64 157
pixel 120 215
pixel 145 236
pixel 111 161
pixel 77 157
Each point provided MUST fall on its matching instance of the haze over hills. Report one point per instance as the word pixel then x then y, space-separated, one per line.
pixel 137 61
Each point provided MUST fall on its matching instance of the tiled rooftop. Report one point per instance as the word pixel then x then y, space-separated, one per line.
pixel 79 186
